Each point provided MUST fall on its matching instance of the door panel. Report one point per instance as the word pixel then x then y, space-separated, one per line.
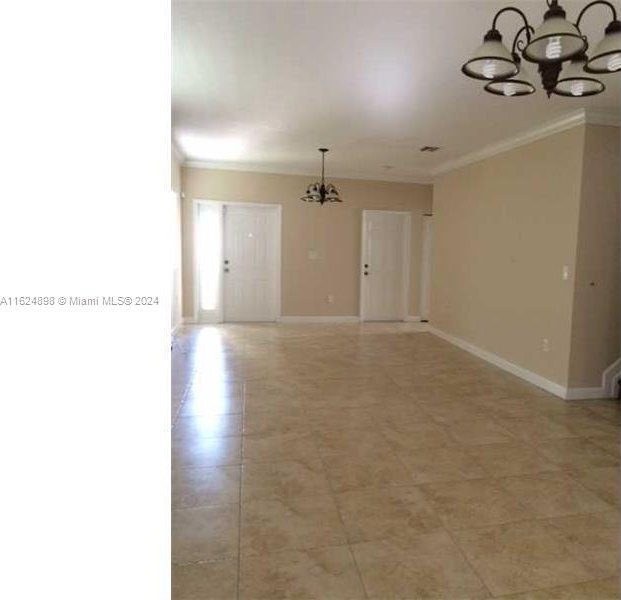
pixel 250 275
pixel 384 256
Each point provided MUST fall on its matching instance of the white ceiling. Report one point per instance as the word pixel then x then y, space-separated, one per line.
pixel 262 85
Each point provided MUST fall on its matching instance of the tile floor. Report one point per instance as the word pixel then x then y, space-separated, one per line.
pixel 378 461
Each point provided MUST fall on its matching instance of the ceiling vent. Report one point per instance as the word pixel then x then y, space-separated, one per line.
pixel 429 148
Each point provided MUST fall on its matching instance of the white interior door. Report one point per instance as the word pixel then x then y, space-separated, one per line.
pixel 251 263
pixel 385 265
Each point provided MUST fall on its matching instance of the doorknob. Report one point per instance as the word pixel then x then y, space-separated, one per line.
pixel 226 270
pixel 366 266
pixel 366 272
pixel 226 262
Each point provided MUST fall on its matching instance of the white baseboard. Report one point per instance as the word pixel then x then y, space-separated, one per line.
pixel 538 380
pixel 412 319
pixel 585 393
pixel 319 319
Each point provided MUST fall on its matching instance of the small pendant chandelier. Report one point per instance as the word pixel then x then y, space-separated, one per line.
pixel 320 192
pixel 555 41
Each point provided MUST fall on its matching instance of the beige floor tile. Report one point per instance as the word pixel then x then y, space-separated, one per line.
pixel 322 419
pixel 350 392
pixel 320 573
pixel 598 589
pixel 406 432
pixel 391 512
pixel 205 533
pixel 298 523
pixel 369 469
pixel 350 443
pixel 291 420
pixel 609 443
pixel 536 428
pixel 206 452
pixel 504 460
pixel 212 404
pixel 553 494
pixel 576 453
pixel 454 411
pixel 205 486
pixel 199 426
pixel 592 539
pixel 512 407
pixel 412 436
pixel 271 447
pixel 479 431
pixel 463 504
pixel 441 464
pixel 214 580
pixel 587 425
pixel 430 566
pixel 284 479
pixel 603 481
pixel 519 557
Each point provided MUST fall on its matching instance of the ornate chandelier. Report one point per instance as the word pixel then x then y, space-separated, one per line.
pixel 554 42
pixel 320 192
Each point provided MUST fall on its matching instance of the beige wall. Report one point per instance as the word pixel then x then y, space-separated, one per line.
pixel 334 231
pixel 176 284
pixel 503 230
pixel 595 328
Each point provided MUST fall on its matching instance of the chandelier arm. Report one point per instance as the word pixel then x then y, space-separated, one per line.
pixel 519 12
pixel 591 5
pixel 516 41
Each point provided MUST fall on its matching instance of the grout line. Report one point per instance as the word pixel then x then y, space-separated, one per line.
pixel 241 478
pixel 338 512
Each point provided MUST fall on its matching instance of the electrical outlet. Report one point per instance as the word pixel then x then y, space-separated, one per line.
pixel 545 345
pixel 330 298
pixel 565 273
pixel 313 255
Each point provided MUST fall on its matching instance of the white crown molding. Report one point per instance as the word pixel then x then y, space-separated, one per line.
pixel 422 176
pixel 568 121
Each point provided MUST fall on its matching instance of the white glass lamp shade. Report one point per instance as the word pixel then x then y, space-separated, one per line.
pixel 606 57
pixel 492 60
pixel 575 83
pixel 312 193
pixel 332 194
pixel 555 40
pixel 518 85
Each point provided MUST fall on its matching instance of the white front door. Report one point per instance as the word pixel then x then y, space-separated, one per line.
pixel 250 258
pixel 385 265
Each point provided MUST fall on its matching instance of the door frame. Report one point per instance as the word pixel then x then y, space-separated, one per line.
pixel 195 271
pixel 425 270
pixel 407 251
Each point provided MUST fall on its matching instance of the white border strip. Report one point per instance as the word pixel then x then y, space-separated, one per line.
pixel 319 319
pixel 546 384
pixel 585 393
pixel 538 380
